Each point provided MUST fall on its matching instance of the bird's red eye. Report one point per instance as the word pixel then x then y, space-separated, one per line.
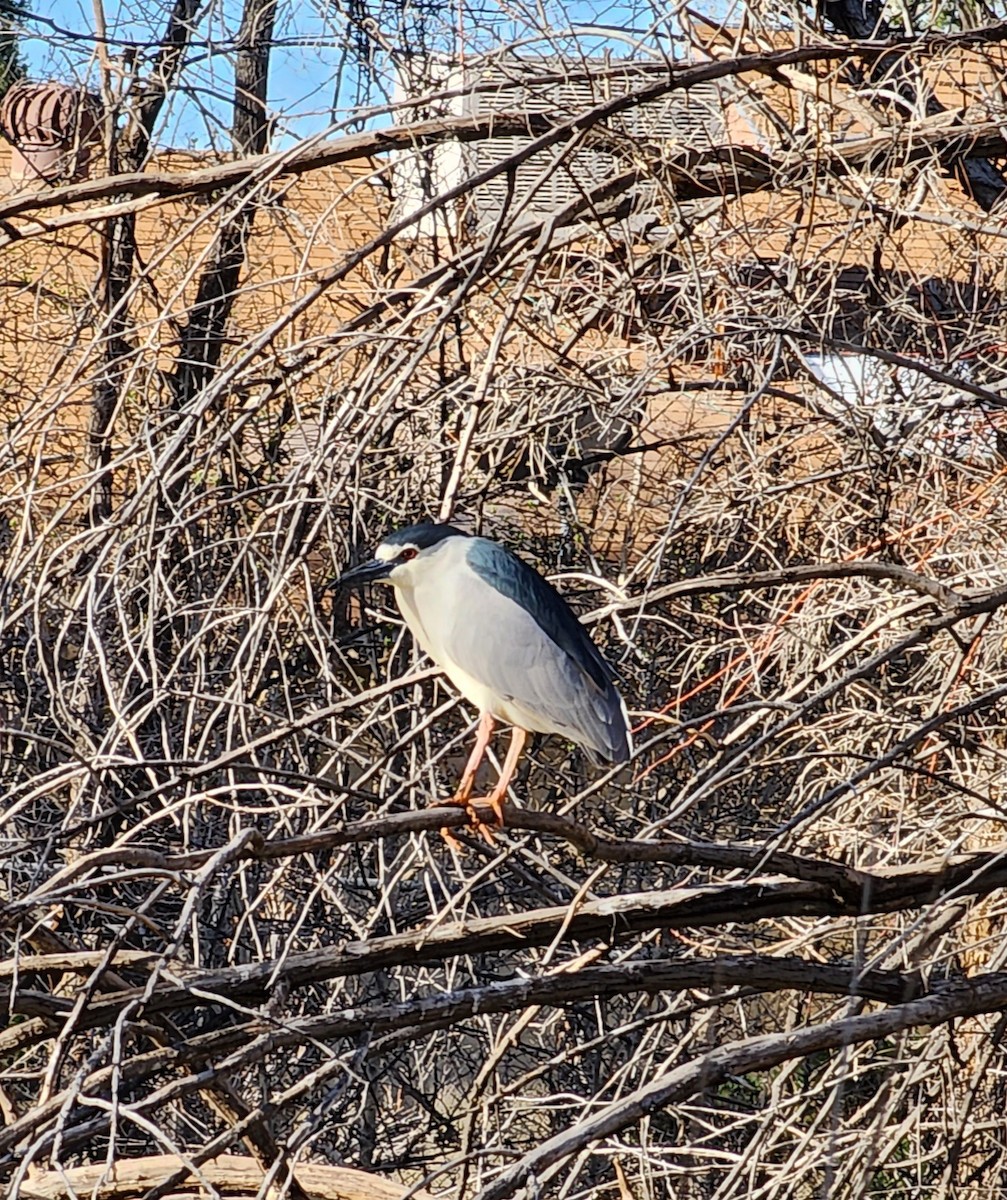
pixel 408 553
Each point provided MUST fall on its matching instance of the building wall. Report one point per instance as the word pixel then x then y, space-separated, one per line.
pixel 50 303
pixel 50 292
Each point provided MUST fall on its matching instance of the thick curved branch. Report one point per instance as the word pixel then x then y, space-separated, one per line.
pixel 742 170
pixel 979 873
pixel 746 581
pixel 985 994
pixel 753 972
pixel 607 920
pixel 715 172
pixel 230 1173
pixel 248 1043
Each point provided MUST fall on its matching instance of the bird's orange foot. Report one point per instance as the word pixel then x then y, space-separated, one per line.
pixel 497 804
pixel 476 808
pixel 471 806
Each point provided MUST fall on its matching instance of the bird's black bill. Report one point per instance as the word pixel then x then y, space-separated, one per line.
pixel 368 572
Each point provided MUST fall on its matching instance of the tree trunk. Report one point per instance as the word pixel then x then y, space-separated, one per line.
pixel 203 339
pixel 126 154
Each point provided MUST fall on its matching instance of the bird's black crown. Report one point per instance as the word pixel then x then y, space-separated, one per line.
pixel 422 536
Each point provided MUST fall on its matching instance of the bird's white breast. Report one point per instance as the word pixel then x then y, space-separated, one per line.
pixel 443 607
pixel 431 635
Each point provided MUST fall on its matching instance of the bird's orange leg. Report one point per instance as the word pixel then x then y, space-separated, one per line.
pixel 463 792
pixel 483 737
pixel 518 737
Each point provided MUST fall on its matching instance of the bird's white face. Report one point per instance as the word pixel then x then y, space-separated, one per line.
pixel 405 563
pixel 402 562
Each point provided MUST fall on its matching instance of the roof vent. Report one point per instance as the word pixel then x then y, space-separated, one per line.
pixel 52 127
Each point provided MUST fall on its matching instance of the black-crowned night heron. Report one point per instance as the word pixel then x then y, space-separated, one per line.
pixel 506 639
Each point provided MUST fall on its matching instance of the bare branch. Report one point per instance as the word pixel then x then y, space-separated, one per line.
pixel 948 1003
pixel 228 1173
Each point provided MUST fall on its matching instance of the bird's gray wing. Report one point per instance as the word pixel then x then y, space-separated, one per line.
pixel 510 575
pixel 500 638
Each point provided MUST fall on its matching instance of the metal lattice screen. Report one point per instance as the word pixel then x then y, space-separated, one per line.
pixel 563 88
pixel 560 88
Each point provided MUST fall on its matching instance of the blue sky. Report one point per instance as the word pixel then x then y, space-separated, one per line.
pixel 304 72
pixel 311 77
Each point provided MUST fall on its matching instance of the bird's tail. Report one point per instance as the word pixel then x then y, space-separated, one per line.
pixel 616 743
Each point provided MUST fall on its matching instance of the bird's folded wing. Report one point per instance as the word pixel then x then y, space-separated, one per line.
pixel 498 643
